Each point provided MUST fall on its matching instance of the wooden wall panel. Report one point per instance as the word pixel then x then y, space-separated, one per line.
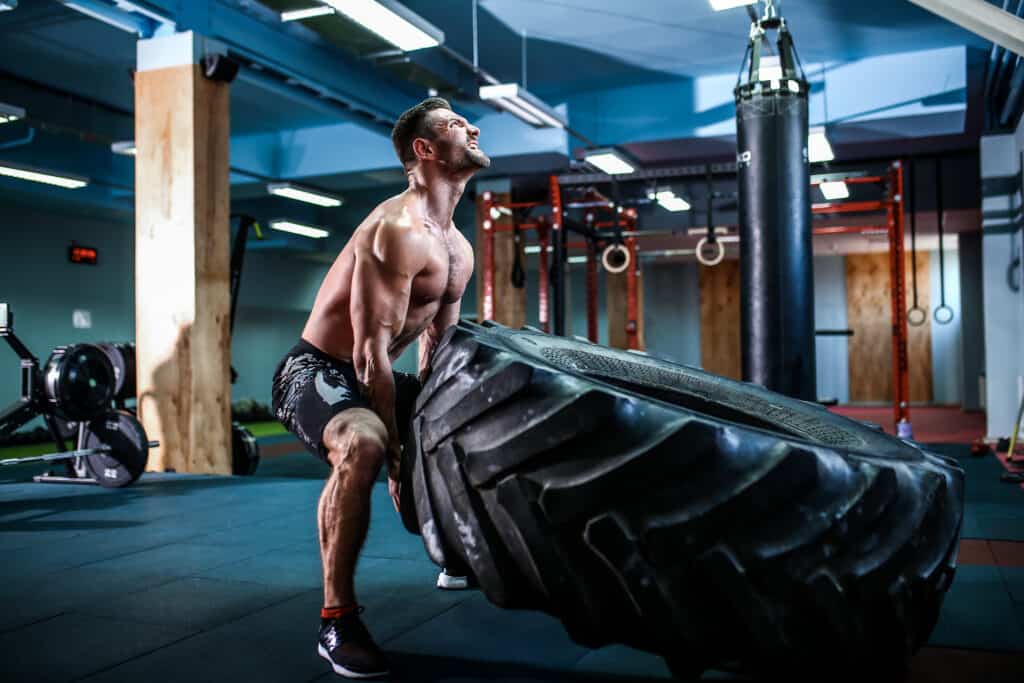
pixel 919 341
pixel 615 301
pixel 509 302
pixel 869 315
pixel 720 319
pixel 182 295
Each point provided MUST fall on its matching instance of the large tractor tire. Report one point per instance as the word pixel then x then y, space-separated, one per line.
pixel 710 521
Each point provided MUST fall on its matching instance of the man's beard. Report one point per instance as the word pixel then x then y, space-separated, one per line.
pixel 478 158
pixel 469 159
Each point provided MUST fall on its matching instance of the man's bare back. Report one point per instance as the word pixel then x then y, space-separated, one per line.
pixel 395 235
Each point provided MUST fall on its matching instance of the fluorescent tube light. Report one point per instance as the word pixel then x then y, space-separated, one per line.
pixel 668 200
pixel 719 5
pixel 392 21
pixel 818 146
pixel 303 195
pixel 125 147
pixel 109 15
pixel 9 113
pixel 522 104
pixel 8 5
pixel 834 189
pixel 299 229
pixel 576 259
pixel 308 13
pixel 609 160
pixel 39 176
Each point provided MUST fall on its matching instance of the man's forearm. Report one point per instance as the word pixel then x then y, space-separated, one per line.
pixel 428 342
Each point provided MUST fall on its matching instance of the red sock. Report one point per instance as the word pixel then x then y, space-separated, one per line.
pixel 338 612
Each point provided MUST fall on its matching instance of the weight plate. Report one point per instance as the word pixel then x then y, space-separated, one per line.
pixel 245 452
pixel 129 449
pixel 79 381
pixel 122 358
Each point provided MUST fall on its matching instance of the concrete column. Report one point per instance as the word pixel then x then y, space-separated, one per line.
pixel 1004 322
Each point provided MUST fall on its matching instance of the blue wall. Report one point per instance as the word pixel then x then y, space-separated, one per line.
pixel 672 311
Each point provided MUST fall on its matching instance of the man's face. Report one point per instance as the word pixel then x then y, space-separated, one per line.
pixel 457 141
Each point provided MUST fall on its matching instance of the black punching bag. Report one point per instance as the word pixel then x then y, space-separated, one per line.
pixel 776 258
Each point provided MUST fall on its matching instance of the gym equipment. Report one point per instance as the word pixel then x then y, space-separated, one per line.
pixel 916 315
pixel 776 274
pixel 706 252
pixel 653 504
pixel 77 386
pixel 943 314
pixel 78 381
pixel 518 273
pixel 122 359
pixel 245 451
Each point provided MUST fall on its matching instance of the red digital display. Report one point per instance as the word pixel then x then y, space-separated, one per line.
pixel 88 255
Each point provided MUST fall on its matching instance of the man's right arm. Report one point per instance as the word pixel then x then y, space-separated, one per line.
pixel 381 287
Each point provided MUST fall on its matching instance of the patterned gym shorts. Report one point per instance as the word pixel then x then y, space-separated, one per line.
pixel 310 387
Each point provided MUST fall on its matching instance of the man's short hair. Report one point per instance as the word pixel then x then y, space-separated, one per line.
pixel 413 124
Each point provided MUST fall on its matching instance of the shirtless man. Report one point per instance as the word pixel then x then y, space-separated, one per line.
pixel 400 278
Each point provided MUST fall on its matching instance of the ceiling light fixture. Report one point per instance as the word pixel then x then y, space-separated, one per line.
pixel 392 21
pixel 609 160
pixel 308 13
pixel 36 175
pixel 834 189
pixel 299 228
pixel 818 146
pixel 9 113
pixel 668 200
pixel 302 194
pixel 522 104
pixel 124 147
pixel 719 5
pixel 8 5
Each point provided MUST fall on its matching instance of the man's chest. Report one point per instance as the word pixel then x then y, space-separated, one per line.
pixel 449 267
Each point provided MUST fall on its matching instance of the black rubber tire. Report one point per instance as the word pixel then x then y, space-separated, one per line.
pixel 656 505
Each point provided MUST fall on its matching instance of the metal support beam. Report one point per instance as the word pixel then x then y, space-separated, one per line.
pixel 978 16
pixel 127 21
pixel 374 95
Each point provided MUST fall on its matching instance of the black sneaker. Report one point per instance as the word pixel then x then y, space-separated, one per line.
pixel 349 647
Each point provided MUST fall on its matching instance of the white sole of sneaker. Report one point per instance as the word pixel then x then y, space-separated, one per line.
pixel 347 673
pixel 452 583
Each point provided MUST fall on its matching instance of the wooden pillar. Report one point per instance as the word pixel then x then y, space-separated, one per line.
pixel 508 303
pixel 182 293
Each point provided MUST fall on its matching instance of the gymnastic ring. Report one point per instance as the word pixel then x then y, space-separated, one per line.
pixel 943 319
pixel 917 316
pixel 615 258
pixel 714 261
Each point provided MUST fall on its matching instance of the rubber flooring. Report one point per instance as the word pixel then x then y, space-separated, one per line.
pixel 198 578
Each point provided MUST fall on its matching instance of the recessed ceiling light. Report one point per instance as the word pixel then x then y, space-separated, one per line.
pixel 609 160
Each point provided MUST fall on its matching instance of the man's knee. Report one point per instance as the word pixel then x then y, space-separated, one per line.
pixel 356 438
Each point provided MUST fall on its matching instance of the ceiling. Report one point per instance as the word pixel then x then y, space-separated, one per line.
pixel 53 54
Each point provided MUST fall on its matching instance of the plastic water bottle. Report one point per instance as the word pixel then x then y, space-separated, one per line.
pixel 903 429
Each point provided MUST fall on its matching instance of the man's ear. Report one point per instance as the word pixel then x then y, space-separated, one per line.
pixel 422 148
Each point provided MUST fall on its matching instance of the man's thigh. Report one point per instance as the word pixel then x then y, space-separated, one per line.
pixel 309 391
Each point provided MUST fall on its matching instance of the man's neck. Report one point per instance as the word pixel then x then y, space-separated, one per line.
pixel 440 192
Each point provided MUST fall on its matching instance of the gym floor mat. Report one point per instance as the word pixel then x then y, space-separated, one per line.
pixel 206 578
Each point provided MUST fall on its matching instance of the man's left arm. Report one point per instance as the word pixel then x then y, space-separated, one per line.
pixel 447 316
